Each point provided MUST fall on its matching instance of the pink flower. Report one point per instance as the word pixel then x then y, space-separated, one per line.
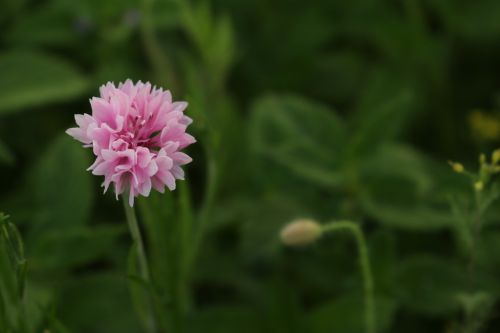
pixel 137 134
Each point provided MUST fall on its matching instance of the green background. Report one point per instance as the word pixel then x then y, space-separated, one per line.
pixel 325 109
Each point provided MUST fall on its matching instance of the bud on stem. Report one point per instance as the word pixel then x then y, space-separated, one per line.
pixel 301 232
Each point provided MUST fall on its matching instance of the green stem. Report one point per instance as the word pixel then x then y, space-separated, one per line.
pixel 364 262
pixel 157 57
pixel 144 270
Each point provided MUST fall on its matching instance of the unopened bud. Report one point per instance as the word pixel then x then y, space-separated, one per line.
pixel 457 167
pixel 300 232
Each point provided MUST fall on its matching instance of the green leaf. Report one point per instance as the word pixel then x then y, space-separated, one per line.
pixel 383 111
pixel 346 315
pixel 416 216
pixel 62 188
pixel 32 79
pixel 403 188
pixel 14 241
pixel 198 23
pixel 222 48
pixel 57 249
pixel 302 136
pixel 430 285
pixel 396 160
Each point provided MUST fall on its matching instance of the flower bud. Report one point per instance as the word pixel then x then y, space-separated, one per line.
pixel 457 167
pixel 300 232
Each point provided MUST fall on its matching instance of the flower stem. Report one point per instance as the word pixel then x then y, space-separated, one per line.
pixel 364 262
pixel 135 232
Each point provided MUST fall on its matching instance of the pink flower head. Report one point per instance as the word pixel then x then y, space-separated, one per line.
pixel 137 134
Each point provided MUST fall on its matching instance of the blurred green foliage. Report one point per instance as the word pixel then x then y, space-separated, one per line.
pixel 326 109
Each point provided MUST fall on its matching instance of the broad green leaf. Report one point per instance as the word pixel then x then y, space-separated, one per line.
pixel 403 188
pixel 395 160
pixel 346 315
pixel 416 216
pixel 62 188
pixel 31 79
pixel 302 136
pixel 430 285
pixel 64 249
pixel 383 111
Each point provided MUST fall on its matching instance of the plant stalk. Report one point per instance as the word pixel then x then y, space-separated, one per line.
pixel 144 270
pixel 364 262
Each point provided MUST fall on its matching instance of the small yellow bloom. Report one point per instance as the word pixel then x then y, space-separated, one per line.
pixel 457 167
pixel 478 186
pixel 495 156
pixel 300 232
pixel 484 126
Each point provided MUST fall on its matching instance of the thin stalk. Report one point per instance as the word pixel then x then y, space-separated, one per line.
pixel 144 270
pixel 364 262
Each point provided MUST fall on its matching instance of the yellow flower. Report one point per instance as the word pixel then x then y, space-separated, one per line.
pixel 495 156
pixel 457 167
pixel 478 186
pixel 485 127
